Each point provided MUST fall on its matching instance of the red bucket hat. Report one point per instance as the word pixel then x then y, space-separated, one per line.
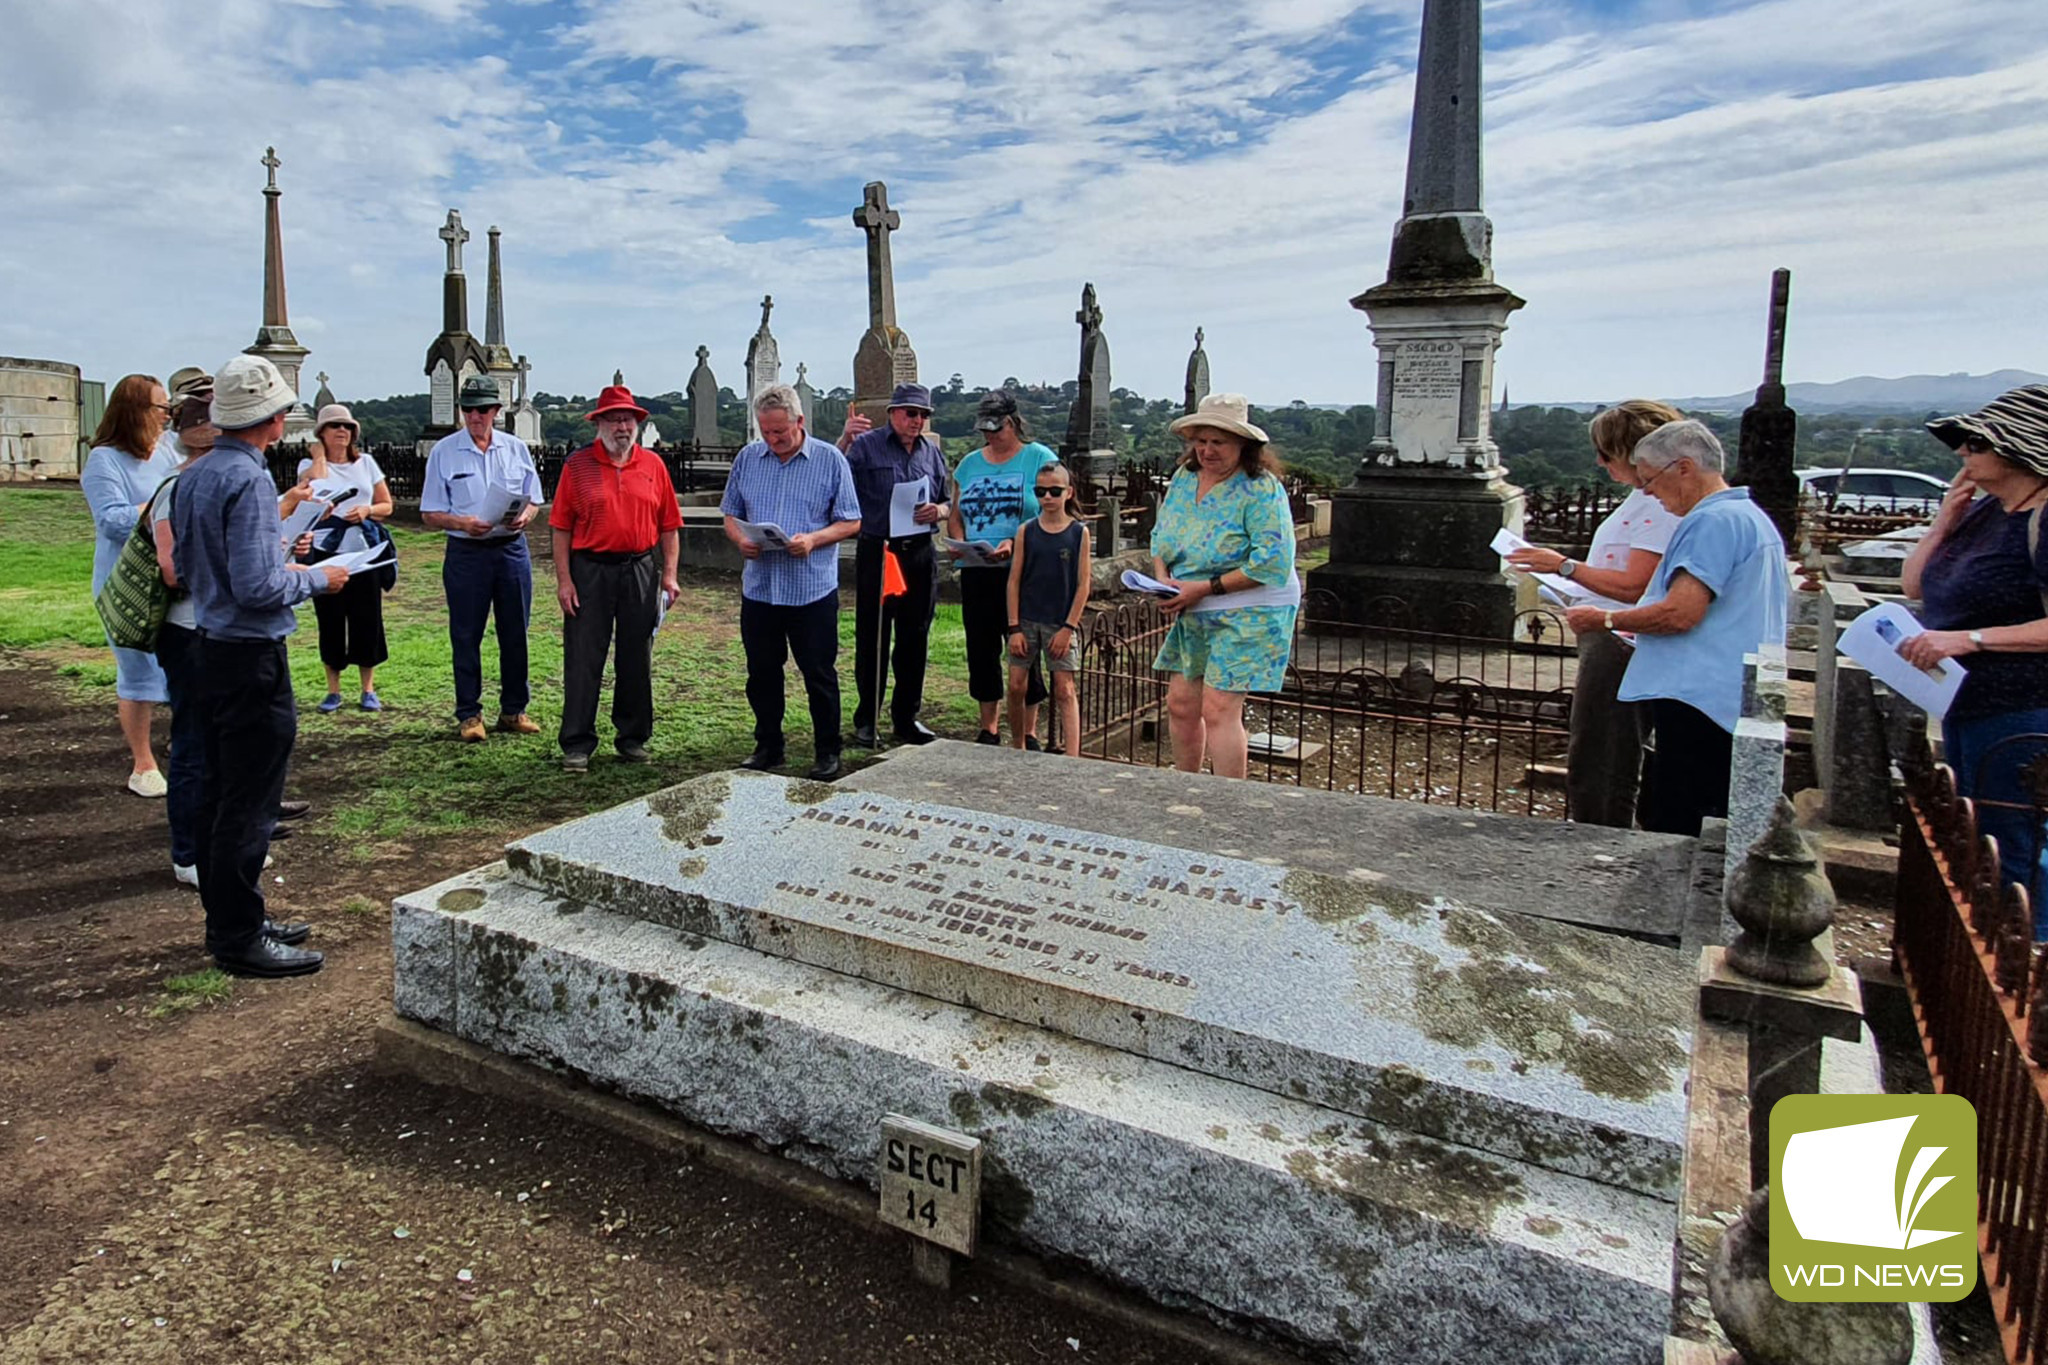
pixel 614 398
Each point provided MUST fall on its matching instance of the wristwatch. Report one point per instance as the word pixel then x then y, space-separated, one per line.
pixel 1567 567
pixel 1216 586
pixel 1607 620
pixel 1977 640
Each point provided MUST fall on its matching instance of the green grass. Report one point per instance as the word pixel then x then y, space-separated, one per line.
pixel 389 778
pixel 181 993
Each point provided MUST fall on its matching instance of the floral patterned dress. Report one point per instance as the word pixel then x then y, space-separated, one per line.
pixel 1243 524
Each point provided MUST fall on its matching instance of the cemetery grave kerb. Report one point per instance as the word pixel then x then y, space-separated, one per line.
pixel 1404 1079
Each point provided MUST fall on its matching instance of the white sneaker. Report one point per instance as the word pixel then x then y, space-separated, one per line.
pixel 150 784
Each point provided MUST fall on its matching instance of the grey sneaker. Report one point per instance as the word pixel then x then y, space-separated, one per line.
pixel 575 763
pixel 633 753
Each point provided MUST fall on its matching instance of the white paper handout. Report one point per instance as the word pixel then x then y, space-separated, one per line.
pixel 500 506
pixel 1873 640
pixel 359 560
pixel 903 505
pixel 662 603
pixel 1150 586
pixel 1563 590
pixel 302 519
pixel 765 534
pixel 972 554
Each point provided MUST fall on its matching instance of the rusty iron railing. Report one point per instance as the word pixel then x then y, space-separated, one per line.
pixel 1568 517
pixel 1964 942
pixel 1374 708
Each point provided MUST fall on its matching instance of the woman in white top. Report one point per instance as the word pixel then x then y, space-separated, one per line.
pixel 352 620
pixel 1605 765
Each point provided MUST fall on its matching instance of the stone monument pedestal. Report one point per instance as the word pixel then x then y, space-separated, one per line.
pixel 1423 534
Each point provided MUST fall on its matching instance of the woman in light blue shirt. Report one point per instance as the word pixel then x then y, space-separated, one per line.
pixel 121 475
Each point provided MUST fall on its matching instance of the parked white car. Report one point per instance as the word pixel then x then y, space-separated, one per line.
pixel 1874 490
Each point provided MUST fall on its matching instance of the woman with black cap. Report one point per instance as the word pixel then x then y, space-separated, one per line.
pixel 1981 572
pixel 994 496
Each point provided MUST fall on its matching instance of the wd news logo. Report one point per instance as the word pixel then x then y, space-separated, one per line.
pixel 1873 1198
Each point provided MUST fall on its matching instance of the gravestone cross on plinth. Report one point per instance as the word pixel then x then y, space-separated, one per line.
pixel 274 339
pixel 703 395
pixel 1198 376
pixel 1429 498
pixel 1770 429
pixel 884 358
pixel 455 355
pixel 764 365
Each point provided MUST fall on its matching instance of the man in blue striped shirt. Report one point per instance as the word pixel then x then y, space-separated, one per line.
pixel 789 501
pixel 228 551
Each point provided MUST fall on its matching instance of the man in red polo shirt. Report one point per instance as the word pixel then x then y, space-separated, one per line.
pixel 614 506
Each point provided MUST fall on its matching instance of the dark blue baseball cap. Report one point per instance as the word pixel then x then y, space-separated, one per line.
pixel 911 396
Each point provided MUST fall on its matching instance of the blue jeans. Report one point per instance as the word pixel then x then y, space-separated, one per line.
pixel 177 653
pixel 2022 851
pixel 482 577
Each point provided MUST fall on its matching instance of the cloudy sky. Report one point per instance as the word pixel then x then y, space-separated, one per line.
pixel 658 165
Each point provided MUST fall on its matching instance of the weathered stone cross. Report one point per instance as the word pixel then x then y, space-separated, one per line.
pixel 270 163
pixel 520 368
pixel 767 306
pixel 878 220
pixel 454 234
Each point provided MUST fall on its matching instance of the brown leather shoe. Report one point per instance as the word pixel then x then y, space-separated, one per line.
pixel 472 731
pixel 519 723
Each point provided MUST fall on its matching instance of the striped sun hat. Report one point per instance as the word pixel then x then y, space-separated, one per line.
pixel 2015 423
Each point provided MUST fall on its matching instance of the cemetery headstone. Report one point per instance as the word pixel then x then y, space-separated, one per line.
pixel 455 354
pixel 764 365
pixel 1197 387
pixel 884 357
pixel 703 396
pixel 806 395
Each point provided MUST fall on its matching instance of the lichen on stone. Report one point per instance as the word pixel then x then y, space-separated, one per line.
pixel 688 809
pixel 460 901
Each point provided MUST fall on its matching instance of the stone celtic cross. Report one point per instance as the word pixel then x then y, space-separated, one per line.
pixel 1090 316
pixel 521 368
pixel 878 220
pixel 270 163
pixel 322 377
pixel 454 234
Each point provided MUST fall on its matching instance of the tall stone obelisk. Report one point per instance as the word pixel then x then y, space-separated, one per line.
pixel 455 354
pixel 498 360
pixel 274 339
pixel 884 358
pixel 1430 495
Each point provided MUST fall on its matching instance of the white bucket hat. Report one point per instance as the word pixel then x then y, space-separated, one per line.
pixel 247 392
pixel 1224 411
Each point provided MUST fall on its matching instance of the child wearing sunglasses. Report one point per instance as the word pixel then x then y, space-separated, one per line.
pixel 1048 589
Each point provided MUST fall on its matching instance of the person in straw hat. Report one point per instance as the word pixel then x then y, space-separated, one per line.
pixel 1224 538
pixel 352 620
pixel 1981 572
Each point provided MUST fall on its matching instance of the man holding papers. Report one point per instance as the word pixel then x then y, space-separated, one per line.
pixel 900 475
pixel 614 507
pixel 789 597
pixel 226 552
pixel 482 489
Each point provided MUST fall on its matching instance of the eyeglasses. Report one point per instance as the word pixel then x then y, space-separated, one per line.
pixel 1975 445
pixel 1645 484
pixel 164 408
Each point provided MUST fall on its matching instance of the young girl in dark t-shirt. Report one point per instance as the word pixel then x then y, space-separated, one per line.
pixel 1048 589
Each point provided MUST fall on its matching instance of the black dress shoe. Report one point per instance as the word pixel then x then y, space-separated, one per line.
pixel 825 769
pixel 283 831
pixel 291 933
pixel 292 810
pixel 988 737
pixel 267 957
pixel 917 732
pixel 864 737
pixel 761 760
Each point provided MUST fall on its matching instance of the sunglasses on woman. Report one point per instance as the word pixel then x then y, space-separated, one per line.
pixel 1975 445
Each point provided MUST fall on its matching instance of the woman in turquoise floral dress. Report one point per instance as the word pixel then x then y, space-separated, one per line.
pixel 1224 538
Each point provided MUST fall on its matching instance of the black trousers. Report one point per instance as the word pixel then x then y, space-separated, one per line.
pixel 770 635
pixel 908 618
pixel 352 624
pixel 1605 766
pixel 984 612
pixel 1688 776
pixel 617 605
pixel 245 689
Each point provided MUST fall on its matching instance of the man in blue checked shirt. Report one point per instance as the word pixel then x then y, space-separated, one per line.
pixel 789 589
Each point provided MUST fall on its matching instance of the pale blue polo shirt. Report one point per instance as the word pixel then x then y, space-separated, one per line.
pixel 1728 544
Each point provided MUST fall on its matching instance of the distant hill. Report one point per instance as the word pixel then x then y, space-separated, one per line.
pixel 1914 393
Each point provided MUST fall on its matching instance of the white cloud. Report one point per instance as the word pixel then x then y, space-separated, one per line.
pixel 657 167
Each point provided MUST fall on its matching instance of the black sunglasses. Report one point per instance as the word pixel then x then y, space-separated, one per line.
pixel 1975 445
pixel 1048 490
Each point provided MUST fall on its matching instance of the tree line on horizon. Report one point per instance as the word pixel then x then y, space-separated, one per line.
pixel 1542 447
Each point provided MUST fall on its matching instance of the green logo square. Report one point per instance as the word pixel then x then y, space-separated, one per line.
pixel 1873 1198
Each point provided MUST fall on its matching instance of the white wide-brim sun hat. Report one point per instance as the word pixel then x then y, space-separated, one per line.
pixel 1225 412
